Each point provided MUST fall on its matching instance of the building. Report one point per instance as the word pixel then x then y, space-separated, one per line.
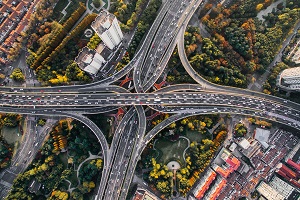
pixel 232 147
pixel 89 60
pixel 285 189
pixel 204 183
pixel 143 194
pixel 289 79
pixel 268 192
pixel 290 173
pixel 216 189
pixel 107 27
pixel 230 165
pixel 293 164
pixel 14 17
pixel 249 147
pixel 262 136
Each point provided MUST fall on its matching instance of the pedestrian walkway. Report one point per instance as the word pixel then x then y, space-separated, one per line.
pixel 268 10
pixel 64 12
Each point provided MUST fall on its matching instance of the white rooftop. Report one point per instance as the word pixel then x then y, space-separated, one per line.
pixel 245 144
pixel 291 72
pixel 262 135
pixel 232 147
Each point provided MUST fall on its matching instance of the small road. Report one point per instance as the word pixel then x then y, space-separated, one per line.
pixel 32 141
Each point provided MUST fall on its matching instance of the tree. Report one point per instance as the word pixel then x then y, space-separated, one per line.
pixel 97 3
pixel 207 144
pixel 172 126
pixel 163 186
pixel 2 76
pixel 191 126
pixel 17 75
pixel 94 41
pixel 259 7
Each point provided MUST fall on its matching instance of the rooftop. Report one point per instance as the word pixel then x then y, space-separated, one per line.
pixel 291 72
pixel 103 21
pixel 268 192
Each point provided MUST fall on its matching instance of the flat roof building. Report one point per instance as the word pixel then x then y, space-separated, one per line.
pixel 262 136
pixel 144 194
pixel 268 192
pixel 250 147
pixel 204 183
pixel 107 28
pixel 89 60
pixel 282 187
pixel 289 79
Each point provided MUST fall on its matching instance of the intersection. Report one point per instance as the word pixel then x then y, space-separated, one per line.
pixel 146 67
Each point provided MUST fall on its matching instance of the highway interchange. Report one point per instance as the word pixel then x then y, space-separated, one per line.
pixel 146 67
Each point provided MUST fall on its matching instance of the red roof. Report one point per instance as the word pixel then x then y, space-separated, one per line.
pixel 287 170
pixel 293 164
pixel 4 8
pixel 218 190
pixel 233 162
pixel 222 172
pixel 205 187
pixel 13 16
pixel 20 28
pixel 295 183
pixel 20 6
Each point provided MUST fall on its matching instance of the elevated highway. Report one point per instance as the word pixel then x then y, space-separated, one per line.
pixel 148 64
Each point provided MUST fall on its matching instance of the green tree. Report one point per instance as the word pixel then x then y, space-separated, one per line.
pixel 17 75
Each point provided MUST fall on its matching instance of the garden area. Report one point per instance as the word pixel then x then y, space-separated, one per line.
pixel 68 165
pixel 69 8
pixel 189 134
pixel 171 150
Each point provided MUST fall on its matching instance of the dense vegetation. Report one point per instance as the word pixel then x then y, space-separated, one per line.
pixel 94 41
pixel 53 46
pixel 10 119
pixel 69 145
pixel 44 10
pixel 240 43
pixel 5 153
pixel 127 13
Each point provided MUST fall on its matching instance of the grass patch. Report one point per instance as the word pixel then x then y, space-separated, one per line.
pixel 105 4
pixel 90 6
pixel 63 157
pixel 171 149
pixel 58 8
pixel 11 135
pixel 73 179
pixel 195 135
pixel 71 8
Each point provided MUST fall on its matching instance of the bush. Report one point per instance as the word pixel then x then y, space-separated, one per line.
pixel 94 41
pixel 97 3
